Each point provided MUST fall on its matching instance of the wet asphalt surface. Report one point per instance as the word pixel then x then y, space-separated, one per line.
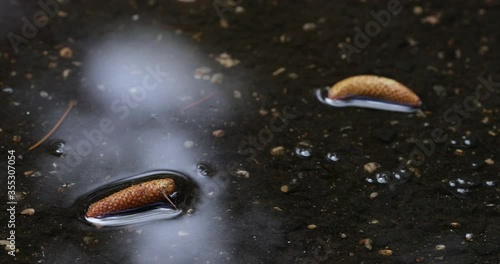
pixel 169 86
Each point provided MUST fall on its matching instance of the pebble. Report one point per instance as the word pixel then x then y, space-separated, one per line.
pixel 200 72
pixel 373 195
pixel 226 60
pixel 66 53
pixel 218 133
pixel 223 23
pixel 469 237
pixel 66 73
pixel 277 209
pixel 5 243
pixel 284 188
pixel 61 13
pixel 432 19
pixel 371 167
pixel 418 10
pixel 243 174
pixel 385 252
pixel 217 78
pixel 237 94
pixel 278 151
pixel 279 71
pixel 440 247
pixel 312 226
pixel 28 211
pixel 489 161
pixel 44 94
pixel 239 10
pixel 367 242
pixel 309 26
pixel 455 224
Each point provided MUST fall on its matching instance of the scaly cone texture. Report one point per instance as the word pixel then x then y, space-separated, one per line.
pixel 374 87
pixel 132 197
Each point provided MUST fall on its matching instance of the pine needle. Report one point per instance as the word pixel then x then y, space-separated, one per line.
pixel 71 104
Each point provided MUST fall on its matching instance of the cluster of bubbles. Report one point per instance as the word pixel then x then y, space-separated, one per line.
pixel 390 177
pixel 463 187
pixel 464 142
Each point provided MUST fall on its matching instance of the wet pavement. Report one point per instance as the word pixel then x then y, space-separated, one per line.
pixel 220 96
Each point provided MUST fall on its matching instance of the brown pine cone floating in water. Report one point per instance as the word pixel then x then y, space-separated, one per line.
pixel 133 197
pixel 374 87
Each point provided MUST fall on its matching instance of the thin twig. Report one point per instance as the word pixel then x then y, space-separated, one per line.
pixel 71 104
pixel 170 201
pixel 199 101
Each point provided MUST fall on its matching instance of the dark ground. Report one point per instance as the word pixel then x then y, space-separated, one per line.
pixel 439 51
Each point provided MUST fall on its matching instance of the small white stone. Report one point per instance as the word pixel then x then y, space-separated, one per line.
pixel 440 247
pixel 418 10
pixel 239 10
pixel 28 211
pixel 371 167
pixel 243 173
pixel 217 78
pixel 309 26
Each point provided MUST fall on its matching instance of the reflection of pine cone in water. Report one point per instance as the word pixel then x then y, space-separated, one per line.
pixel 132 197
pixel 374 87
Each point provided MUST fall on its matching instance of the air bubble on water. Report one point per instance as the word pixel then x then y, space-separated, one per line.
pixel 7 90
pixel 463 191
pixel 462 186
pixel 383 177
pixel 303 151
pixel 204 170
pixel 57 147
pixel 332 156
pixel 476 164
pixel 464 142
pixel 401 175
pixel 491 183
